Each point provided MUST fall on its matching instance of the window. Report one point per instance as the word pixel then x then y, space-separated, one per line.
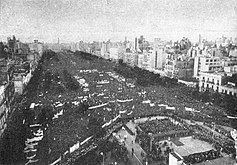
pixel 207 60
pixel 211 60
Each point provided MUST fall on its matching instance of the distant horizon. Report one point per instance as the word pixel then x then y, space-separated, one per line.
pixel 147 38
pixel 100 20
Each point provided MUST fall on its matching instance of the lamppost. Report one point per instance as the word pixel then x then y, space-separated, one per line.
pixel 151 139
pixel 103 157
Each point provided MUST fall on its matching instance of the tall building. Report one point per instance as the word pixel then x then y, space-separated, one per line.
pixel 199 39
pixel 206 63
pixel 179 67
pixel 136 44
pixel 158 58
pixel 36 46
pixel 6 92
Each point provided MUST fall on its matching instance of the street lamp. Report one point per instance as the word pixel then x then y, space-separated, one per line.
pixel 103 157
pixel 151 139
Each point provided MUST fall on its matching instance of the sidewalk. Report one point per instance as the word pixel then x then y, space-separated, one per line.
pixel 136 159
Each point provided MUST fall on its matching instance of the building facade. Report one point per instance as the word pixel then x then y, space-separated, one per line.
pixel 205 64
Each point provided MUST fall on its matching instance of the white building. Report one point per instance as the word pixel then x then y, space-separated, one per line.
pixel 4 111
pixel 216 82
pixel 175 159
pixel 229 61
pixel 230 69
pixel 211 80
pixel 104 53
pixel 130 58
pixel 36 47
pixel 140 60
pixel 147 60
pixel 205 64
pixel 233 52
pixel 114 53
pixel 158 58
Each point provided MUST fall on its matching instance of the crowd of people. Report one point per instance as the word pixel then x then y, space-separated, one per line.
pixel 117 98
pixel 201 157
pixel 161 126
pixel 221 143
pixel 218 129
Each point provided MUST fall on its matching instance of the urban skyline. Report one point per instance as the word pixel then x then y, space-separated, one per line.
pixel 73 21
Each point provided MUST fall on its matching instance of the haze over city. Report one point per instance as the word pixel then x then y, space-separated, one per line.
pixel 88 20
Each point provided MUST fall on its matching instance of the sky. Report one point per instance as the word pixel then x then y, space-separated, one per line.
pixel 100 20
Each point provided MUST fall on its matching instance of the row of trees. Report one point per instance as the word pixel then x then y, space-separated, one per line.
pixel 143 77
pixel 86 56
pixel 146 78
pixel 70 82
pixel 13 141
pixel 48 55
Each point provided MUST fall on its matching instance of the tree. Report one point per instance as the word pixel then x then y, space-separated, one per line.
pixel 216 98
pixel 205 96
pixel 120 61
pixel 95 127
pixel 83 107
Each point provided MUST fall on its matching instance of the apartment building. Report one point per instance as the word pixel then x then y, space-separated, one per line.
pixel 216 81
pixel 6 92
pixel 179 66
pixel 211 80
pixel 130 58
pixel 205 64
pixel 158 58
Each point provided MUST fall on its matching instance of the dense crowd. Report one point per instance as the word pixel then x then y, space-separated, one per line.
pixel 221 143
pixel 116 97
pixel 201 157
pixel 161 126
pixel 218 129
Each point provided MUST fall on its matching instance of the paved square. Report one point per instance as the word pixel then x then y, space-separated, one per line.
pixel 191 146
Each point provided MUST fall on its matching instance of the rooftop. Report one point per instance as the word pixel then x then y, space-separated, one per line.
pixel 190 146
pixel 177 156
pixel 222 73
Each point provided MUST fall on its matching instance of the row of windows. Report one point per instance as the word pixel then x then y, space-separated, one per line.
pixel 203 78
pixel 217 89
pixel 211 86
pixel 232 64
pixel 212 63
pixel 211 60
pixel 230 93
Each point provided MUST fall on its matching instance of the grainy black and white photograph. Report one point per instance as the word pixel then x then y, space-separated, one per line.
pixel 118 82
